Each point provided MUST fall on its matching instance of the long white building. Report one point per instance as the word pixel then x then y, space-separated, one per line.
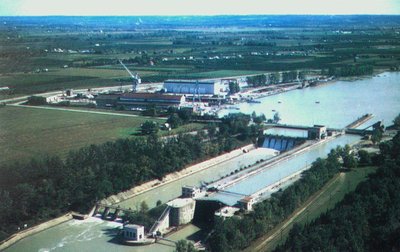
pixel 194 87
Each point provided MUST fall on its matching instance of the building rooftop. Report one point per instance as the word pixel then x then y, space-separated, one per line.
pixel 108 96
pixel 179 202
pixel 133 226
pixel 151 96
pixel 246 199
pixel 190 187
pixel 191 81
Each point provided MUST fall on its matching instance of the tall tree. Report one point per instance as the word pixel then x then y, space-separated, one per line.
pixel 149 127
pixel 277 117
pixel 233 87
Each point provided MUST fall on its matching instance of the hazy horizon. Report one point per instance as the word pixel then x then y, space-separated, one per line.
pixel 194 15
pixel 197 7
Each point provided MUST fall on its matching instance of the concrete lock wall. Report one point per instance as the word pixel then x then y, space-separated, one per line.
pixel 279 143
pixel 182 215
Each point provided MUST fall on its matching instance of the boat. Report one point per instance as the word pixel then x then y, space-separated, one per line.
pixel 279 102
pixel 273 110
pixel 317 102
pixel 253 101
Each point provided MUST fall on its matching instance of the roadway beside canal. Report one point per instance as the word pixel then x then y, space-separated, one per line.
pixel 322 201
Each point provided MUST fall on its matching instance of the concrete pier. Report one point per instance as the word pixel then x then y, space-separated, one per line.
pixel 116 213
pixel 359 121
pixel 96 210
pixel 105 213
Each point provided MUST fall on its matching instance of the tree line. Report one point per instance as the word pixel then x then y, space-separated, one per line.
pixel 275 78
pixel 349 70
pixel 367 219
pixel 235 234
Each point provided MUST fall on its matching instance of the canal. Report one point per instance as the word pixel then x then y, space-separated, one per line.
pixel 339 104
pixel 173 190
pixel 280 170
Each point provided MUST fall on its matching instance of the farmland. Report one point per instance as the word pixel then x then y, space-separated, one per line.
pixel 78 52
pixel 83 52
pixel 30 132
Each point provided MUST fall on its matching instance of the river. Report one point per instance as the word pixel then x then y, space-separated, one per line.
pixel 339 104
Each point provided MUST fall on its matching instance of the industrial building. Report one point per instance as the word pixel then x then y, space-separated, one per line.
pixel 144 99
pixel 317 132
pixel 107 100
pixel 140 100
pixel 246 203
pixel 195 87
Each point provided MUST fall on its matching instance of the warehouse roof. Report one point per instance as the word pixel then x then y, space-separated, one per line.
pixel 151 96
pixel 208 82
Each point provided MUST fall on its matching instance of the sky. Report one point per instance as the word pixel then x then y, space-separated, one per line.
pixel 195 7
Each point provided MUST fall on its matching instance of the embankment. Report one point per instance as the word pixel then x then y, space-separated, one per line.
pixel 114 199
pixel 33 230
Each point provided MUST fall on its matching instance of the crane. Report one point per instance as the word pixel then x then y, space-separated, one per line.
pixel 135 77
pixel 196 89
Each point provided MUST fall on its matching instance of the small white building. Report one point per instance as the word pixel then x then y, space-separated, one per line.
pixel 246 203
pixel 133 232
pixel 190 191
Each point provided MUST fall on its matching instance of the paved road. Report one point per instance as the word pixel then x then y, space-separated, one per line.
pixel 264 242
pixel 80 111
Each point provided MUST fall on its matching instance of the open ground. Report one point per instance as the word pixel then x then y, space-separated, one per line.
pixel 31 132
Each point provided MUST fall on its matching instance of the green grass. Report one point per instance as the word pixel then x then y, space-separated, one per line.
pixel 334 193
pixel 182 129
pixel 216 74
pixel 30 132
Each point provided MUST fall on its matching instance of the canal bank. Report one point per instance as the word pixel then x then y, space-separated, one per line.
pixel 34 230
pixel 154 184
pixel 170 188
pixel 278 171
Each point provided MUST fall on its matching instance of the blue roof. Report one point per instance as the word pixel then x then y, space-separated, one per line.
pixel 190 82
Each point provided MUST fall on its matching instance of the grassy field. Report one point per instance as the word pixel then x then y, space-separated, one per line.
pixel 331 194
pixel 29 132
